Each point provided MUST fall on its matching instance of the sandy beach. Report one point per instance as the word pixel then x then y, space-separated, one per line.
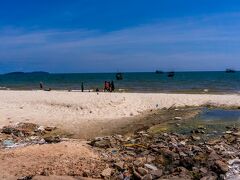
pixel 82 111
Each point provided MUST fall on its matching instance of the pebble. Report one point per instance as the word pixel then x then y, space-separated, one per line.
pixel 107 172
pixel 222 166
pixel 151 166
pixel 142 171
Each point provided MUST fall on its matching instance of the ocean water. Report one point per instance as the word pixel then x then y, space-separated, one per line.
pixel 182 82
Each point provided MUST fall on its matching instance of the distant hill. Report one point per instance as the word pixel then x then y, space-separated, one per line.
pixel 28 73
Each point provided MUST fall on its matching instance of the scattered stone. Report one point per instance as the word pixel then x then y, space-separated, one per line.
pixel 147 177
pixel 196 138
pixel 106 172
pixel 222 166
pixel 119 165
pixel 101 143
pixel 157 173
pixel 52 139
pixel 138 162
pixel 151 166
pixel 142 171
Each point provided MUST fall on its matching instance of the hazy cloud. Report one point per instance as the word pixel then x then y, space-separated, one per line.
pixel 179 44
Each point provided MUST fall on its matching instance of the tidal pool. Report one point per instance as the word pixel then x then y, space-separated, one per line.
pixel 209 121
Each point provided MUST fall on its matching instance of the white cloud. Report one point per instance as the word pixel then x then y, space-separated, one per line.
pixel 165 43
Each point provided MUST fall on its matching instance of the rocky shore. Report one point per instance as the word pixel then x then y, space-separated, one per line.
pixel 170 156
pixel 141 155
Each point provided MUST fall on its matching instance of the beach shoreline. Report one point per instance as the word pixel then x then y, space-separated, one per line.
pixel 82 112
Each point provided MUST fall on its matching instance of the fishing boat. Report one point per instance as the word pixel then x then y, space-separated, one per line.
pixel 119 76
pixel 230 71
pixel 159 72
pixel 171 74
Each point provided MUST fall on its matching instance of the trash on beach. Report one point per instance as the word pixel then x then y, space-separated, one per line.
pixel 23 134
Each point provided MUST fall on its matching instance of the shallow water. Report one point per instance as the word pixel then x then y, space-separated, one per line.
pixel 219 115
pixel 183 82
pixel 211 121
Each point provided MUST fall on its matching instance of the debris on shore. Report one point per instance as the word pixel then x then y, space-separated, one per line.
pixel 170 156
pixel 142 155
pixel 23 134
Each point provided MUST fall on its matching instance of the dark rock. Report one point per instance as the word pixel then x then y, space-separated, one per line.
pixel 136 175
pixel 52 139
pixel 101 144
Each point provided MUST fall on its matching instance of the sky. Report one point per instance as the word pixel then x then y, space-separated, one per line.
pixel 71 36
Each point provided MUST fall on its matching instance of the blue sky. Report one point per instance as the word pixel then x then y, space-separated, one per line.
pixel 125 35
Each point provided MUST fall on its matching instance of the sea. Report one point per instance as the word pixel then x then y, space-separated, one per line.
pixel 181 82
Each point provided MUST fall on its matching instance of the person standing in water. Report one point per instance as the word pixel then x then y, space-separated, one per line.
pixel 82 87
pixel 41 85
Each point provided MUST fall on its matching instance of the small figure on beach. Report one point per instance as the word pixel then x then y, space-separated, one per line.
pixel 106 86
pixel 82 87
pixel 109 86
pixel 112 86
pixel 41 85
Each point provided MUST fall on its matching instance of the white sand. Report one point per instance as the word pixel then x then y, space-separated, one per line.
pixel 84 109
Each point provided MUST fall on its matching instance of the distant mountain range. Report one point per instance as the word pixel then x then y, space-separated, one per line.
pixel 28 73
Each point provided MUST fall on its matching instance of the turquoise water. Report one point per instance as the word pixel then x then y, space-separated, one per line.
pixel 132 82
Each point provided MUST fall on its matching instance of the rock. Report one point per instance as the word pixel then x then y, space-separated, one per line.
pixel 177 118
pixel 236 133
pixel 138 162
pixel 209 177
pixel 201 127
pixel 50 128
pixel 102 143
pixel 213 156
pixel 52 139
pixel 234 161
pixel 119 177
pixel 119 165
pixel 196 138
pixel 196 149
pixel 11 130
pixel 203 170
pixel 222 166
pixel 169 154
pixel 151 166
pixel 41 128
pixel 107 172
pixel 137 175
pixel 157 173
pixel 147 177
pixel 142 171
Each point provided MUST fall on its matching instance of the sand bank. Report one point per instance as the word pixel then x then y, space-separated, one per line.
pixel 83 111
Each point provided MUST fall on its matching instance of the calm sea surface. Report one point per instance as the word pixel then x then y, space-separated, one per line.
pixel 191 82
